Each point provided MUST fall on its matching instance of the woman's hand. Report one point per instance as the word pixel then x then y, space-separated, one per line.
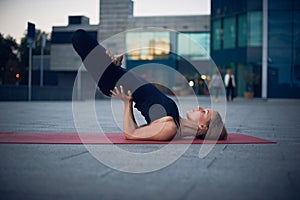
pixel 120 94
pixel 116 60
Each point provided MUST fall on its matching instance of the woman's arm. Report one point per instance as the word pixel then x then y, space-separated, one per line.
pixel 233 81
pixel 161 129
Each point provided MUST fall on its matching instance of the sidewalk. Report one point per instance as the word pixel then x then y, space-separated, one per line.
pixel 268 171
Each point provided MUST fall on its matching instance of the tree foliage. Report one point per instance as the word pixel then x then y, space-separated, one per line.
pixel 9 61
pixel 14 57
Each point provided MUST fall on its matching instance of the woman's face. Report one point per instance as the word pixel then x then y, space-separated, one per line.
pixel 200 115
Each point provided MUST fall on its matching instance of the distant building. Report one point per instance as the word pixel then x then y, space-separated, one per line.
pixel 116 16
pixel 237 43
pixel 63 57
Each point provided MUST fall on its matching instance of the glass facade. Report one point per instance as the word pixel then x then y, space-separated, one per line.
pixel 157 45
pixel 196 46
pixel 148 45
pixel 254 29
pixel 216 34
pixel 229 36
pixel 241 49
pixel 296 47
pixel 283 49
pixel 242 30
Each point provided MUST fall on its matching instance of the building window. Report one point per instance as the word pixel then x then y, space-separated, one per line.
pixel 242 30
pixel 196 46
pixel 75 20
pixel 280 29
pixel 254 29
pixel 65 37
pixel 229 33
pixel 216 34
pixel 148 45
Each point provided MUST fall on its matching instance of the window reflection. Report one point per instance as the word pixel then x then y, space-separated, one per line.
pixel 156 45
pixel 255 29
pixel 148 45
pixel 216 34
pixel 196 46
pixel 242 30
pixel 280 29
pixel 229 33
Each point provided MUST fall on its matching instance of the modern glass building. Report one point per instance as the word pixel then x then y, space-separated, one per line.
pixel 170 49
pixel 237 32
pixel 160 45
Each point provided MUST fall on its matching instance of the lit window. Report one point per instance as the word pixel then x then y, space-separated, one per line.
pixel 148 45
pixel 196 46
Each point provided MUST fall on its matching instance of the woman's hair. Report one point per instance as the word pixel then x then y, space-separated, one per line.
pixel 215 125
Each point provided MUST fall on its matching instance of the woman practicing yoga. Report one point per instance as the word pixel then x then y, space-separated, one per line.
pixel 160 112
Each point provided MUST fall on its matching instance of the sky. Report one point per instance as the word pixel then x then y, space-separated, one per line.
pixel 14 14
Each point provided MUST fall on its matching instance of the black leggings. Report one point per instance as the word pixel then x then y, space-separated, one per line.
pixel 100 67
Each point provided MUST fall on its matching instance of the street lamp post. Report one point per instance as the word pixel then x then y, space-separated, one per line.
pixel 43 44
pixel 30 45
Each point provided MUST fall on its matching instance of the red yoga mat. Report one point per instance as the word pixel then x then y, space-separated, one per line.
pixel 114 138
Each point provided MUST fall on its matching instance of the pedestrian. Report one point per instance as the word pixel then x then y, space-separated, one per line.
pixel 216 85
pixel 230 85
pixel 196 86
pixel 160 111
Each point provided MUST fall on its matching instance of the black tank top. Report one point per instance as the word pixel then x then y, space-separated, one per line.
pixel 153 104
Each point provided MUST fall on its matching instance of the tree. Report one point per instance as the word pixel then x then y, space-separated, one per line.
pixel 9 61
pixel 14 58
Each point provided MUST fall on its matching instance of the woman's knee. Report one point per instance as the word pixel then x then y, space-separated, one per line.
pixel 78 35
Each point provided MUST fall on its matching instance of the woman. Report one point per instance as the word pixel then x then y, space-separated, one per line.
pixel 160 112
pixel 230 85
pixel 216 83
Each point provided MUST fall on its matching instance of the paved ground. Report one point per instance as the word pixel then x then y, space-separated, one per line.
pixel 269 171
